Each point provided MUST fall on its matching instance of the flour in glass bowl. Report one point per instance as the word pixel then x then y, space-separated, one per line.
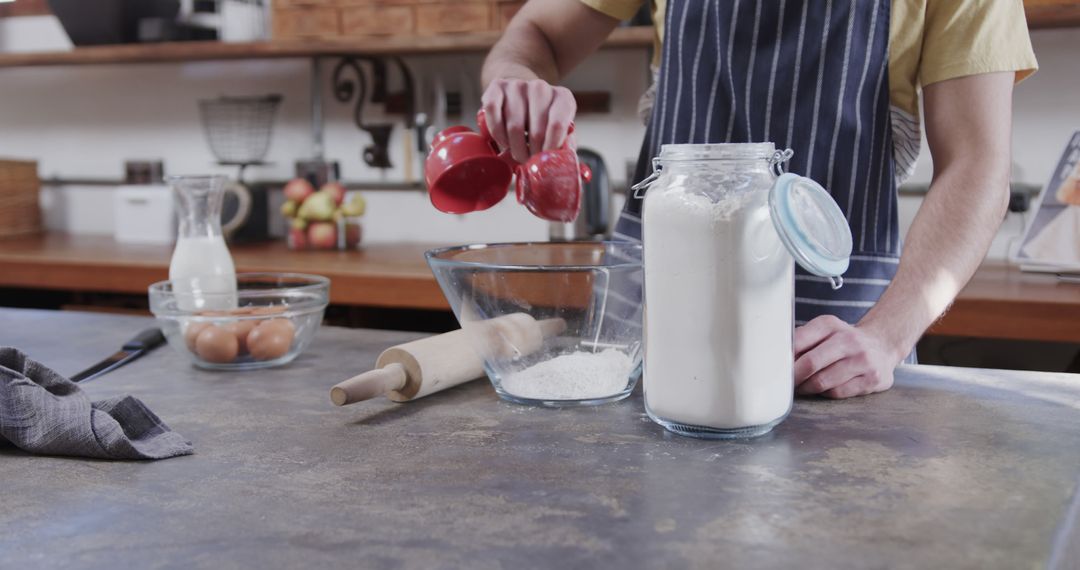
pixel 580 375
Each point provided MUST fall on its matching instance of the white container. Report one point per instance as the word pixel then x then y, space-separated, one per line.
pixel 244 20
pixel 720 233
pixel 85 210
pixel 144 214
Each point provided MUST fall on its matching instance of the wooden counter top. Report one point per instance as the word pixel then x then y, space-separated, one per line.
pixel 378 276
pixel 999 302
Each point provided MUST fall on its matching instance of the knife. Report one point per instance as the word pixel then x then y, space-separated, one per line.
pixel 139 345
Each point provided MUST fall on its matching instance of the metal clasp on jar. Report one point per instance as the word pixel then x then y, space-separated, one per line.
pixel 640 187
pixel 778 158
pixel 776 164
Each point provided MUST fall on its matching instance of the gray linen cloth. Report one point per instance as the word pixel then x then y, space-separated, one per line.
pixel 43 412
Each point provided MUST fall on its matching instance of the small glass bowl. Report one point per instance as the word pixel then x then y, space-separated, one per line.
pixel 287 309
pixel 556 324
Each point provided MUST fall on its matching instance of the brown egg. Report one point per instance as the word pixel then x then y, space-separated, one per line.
pixel 284 325
pixel 271 339
pixel 191 332
pixel 242 329
pixel 268 310
pixel 227 313
pixel 217 344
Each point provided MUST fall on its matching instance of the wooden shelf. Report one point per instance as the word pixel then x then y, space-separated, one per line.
pixel 1040 14
pixel 1003 302
pixel 631 37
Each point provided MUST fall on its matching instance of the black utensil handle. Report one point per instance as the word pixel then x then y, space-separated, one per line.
pixel 145 340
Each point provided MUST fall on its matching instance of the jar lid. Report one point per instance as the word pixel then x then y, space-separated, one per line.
pixel 811 225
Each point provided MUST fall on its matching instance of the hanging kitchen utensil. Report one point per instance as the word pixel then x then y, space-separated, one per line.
pixel 238 130
pixel 377 154
pixel 345 90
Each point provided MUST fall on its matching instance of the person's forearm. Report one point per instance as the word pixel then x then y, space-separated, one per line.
pixel 948 239
pixel 523 52
pixel 969 129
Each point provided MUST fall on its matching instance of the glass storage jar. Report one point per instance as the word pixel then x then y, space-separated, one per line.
pixel 721 225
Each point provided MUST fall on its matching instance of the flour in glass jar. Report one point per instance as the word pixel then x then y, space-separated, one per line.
pixel 719 315
pixel 580 375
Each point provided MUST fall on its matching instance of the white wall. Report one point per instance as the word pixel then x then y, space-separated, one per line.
pixel 83 122
pixel 1046 112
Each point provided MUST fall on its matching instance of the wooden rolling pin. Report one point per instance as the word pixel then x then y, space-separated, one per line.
pixel 421 367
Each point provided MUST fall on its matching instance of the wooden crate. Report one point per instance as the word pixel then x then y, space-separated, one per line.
pixel 378 20
pixel 19 188
pixel 305 3
pixel 314 21
pixel 504 12
pixel 453 17
pixel 333 19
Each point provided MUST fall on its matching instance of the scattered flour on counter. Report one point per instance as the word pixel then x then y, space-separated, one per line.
pixel 576 376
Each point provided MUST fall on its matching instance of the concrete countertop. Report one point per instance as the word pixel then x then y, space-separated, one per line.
pixel 953 468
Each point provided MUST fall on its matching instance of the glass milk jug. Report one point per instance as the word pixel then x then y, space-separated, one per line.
pixel 721 225
pixel 201 270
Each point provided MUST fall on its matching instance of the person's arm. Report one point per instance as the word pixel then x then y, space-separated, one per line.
pixel 969 130
pixel 544 41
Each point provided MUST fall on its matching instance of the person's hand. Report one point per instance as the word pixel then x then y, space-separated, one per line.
pixel 837 360
pixel 514 108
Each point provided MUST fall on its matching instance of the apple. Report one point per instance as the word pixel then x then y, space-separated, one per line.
pixel 298 189
pixel 352 235
pixel 322 235
pixel 318 207
pixel 336 190
pixel 297 238
pixel 355 206
pixel 299 224
pixel 288 209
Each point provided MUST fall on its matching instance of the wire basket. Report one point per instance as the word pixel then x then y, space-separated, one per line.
pixel 238 128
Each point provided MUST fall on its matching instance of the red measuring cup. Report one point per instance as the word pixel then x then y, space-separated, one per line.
pixel 549 184
pixel 466 173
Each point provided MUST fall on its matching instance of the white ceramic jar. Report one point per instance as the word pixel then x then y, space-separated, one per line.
pixel 720 231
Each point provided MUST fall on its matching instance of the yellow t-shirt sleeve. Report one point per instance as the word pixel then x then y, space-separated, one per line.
pixel 618 9
pixel 973 37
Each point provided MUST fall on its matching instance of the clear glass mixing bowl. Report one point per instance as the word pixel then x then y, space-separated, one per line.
pixel 291 300
pixel 556 324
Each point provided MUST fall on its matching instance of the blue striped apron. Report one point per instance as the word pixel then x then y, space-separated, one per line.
pixel 809 75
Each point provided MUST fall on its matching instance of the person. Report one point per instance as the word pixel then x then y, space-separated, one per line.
pixel 839 82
